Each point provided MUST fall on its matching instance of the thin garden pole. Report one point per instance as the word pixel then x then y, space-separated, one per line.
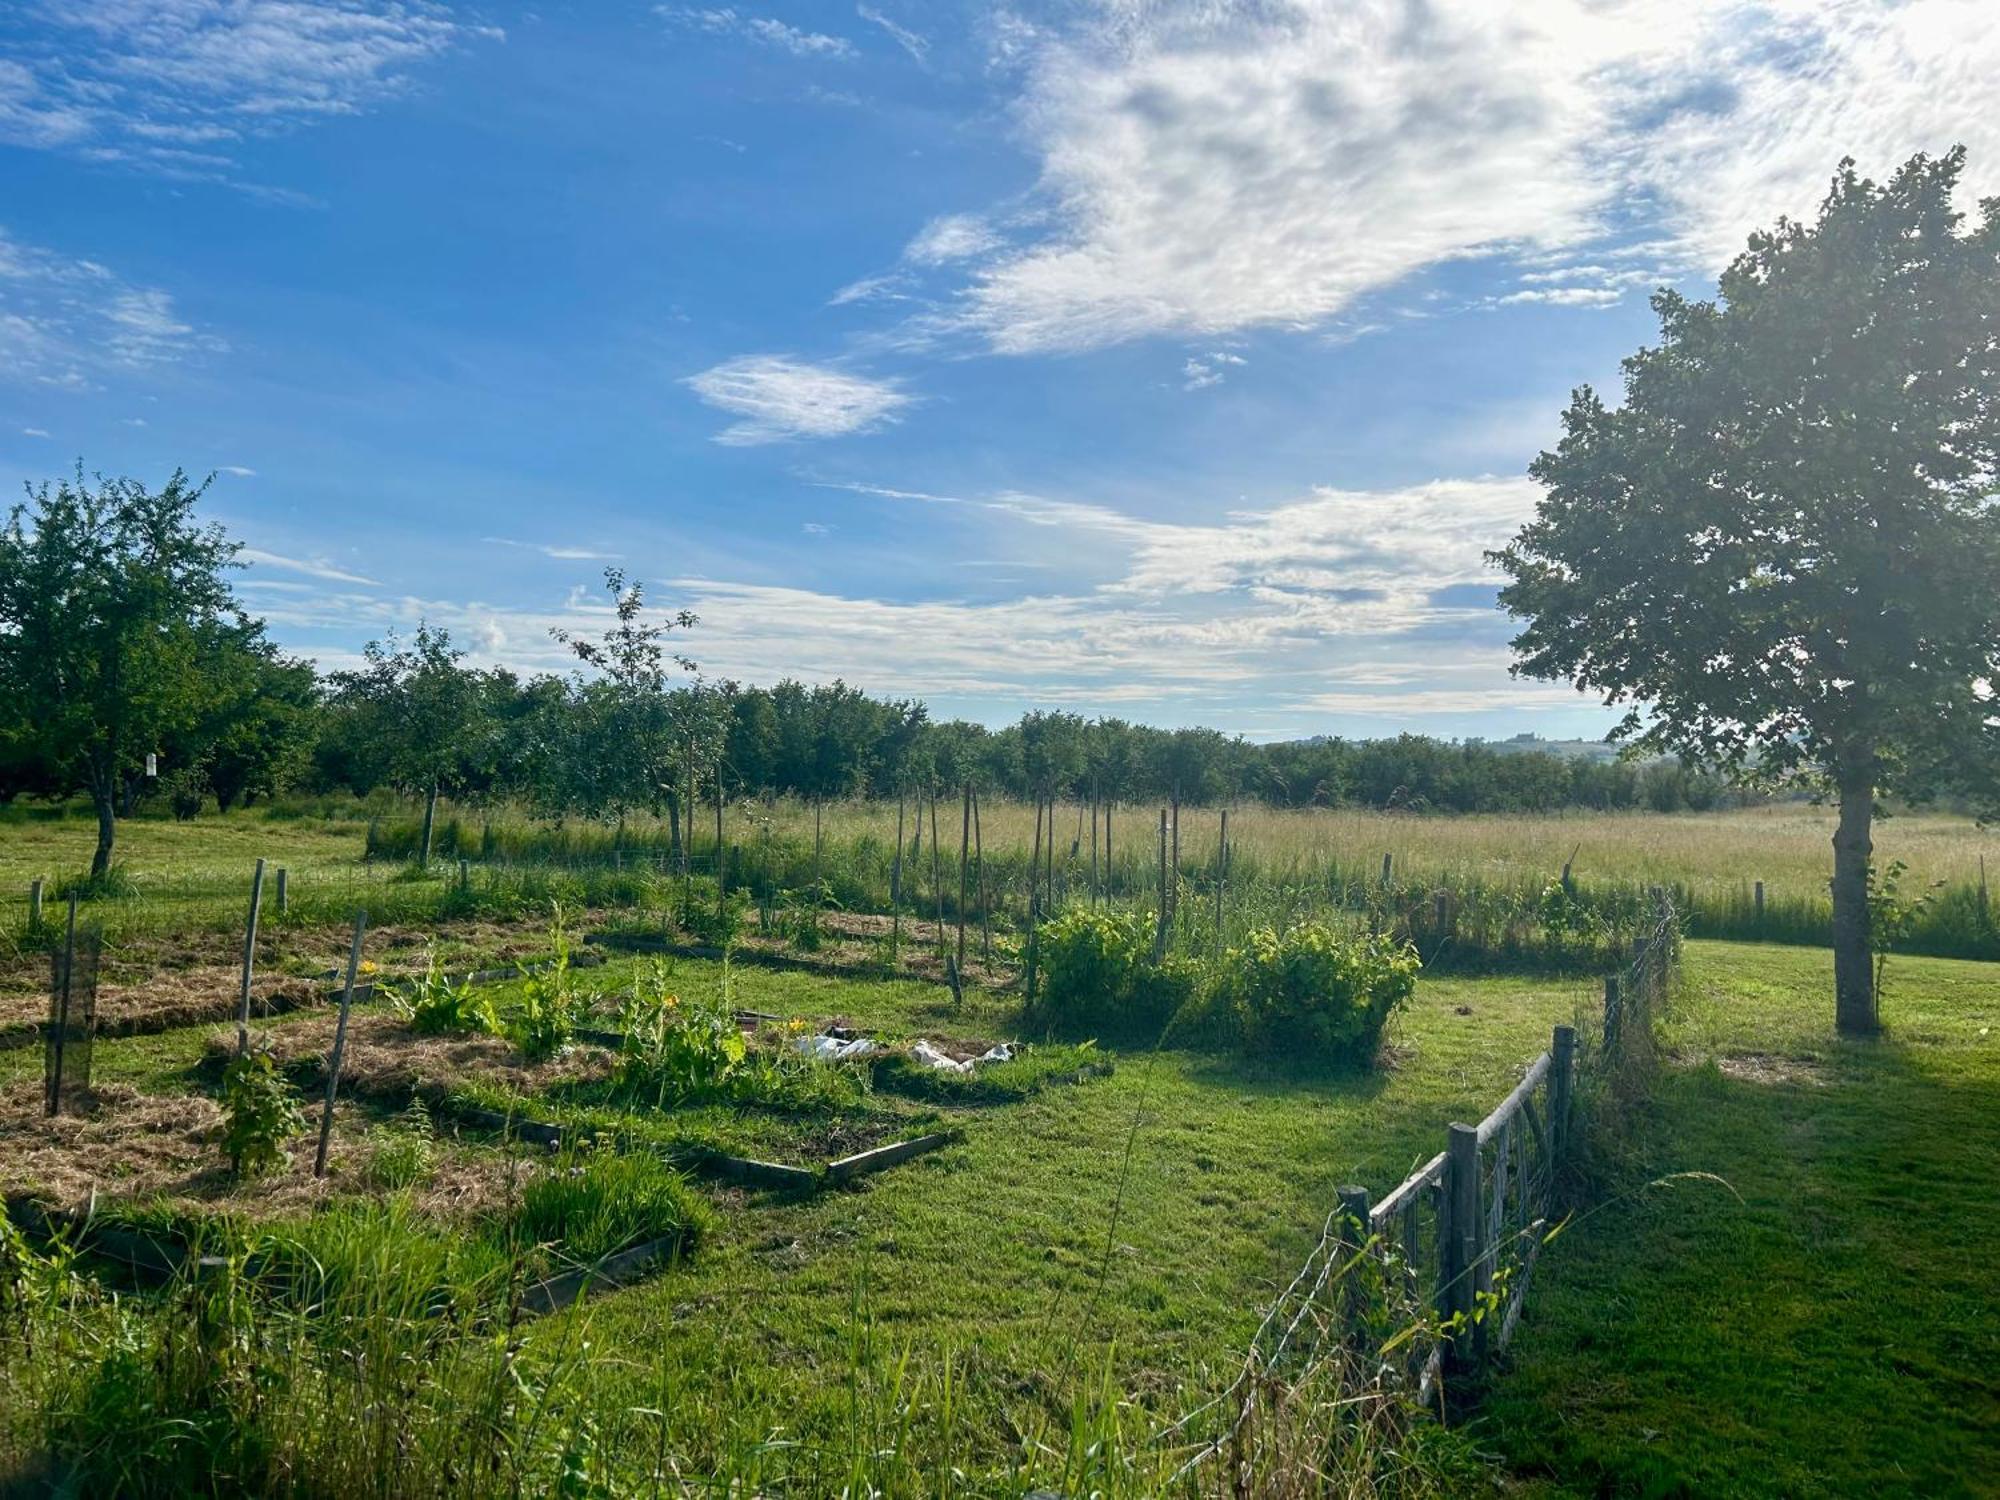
pixel 339 1045
pixel 896 884
pixel 985 908
pixel 1109 803
pixel 249 960
pixel 721 855
pixel 1160 937
pixel 1093 843
pixel 285 894
pixel 34 904
pixel 937 876
pixel 964 869
pixel 1221 874
pixel 62 1010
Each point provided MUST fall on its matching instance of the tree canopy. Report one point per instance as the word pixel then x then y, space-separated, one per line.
pixel 1780 553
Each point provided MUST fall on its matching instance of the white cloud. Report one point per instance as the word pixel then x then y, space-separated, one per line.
pixel 781 398
pixel 1204 370
pixel 1563 296
pixel 236 469
pixel 916 45
pixel 141 81
pixel 34 432
pixel 312 567
pixel 726 20
pixel 562 552
pixel 1211 168
pixel 951 237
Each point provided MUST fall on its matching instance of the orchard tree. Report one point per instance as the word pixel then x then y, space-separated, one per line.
pixel 423 714
pixel 1782 552
pixel 109 599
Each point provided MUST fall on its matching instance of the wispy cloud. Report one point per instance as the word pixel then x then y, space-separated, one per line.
pixel 238 470
pixel 64 318
pixel 781 398
pixel 768 30
pixel 561 552
pixel 1209 168
pixel 172 86
pixel 312 567
pixel 917 45
pixel 952 237
pixel 34 432
pixel 1204 370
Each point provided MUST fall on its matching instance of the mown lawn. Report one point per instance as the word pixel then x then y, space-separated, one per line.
pixel 1126 1229
pixel 1822 1321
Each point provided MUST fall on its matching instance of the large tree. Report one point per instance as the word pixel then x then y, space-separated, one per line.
pixel 112 602
pixel 1782 552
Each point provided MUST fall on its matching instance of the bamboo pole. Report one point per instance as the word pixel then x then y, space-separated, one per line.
pixel 937 877
pixel 896 885
pixel 985 905
pixel 339 1045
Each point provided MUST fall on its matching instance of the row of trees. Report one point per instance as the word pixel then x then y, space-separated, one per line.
pixel 125 645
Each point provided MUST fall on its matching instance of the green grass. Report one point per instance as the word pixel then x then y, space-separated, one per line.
pixel 1820 1321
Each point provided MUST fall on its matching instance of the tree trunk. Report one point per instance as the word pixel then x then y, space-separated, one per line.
pixel 430 822
pixel 1853 957
pixel 107 831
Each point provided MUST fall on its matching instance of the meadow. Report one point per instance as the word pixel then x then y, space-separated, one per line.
pixel 1080 1263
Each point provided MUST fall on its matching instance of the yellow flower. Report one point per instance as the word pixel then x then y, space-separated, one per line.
pixel 367 966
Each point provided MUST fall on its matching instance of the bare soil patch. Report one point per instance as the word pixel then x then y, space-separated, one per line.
pixel 1770 1068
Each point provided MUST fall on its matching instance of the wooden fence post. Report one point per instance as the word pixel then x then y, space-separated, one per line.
pixel 1388 865
pixel 1459 1236
pixel 284 891
pixel 1160 937
pixel 1760 903
pixel 34 904
pixel 339 1045
pixel 1441 909
pixel 964 869
pixel 249 960
pixel 1354 1208
pixel 1562 1060
pixel 1612 1010
pixel 464 874
pixel 1221 875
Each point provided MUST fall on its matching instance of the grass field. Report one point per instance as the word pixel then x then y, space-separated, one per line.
pixel 1817 1318
pixel 1782 1287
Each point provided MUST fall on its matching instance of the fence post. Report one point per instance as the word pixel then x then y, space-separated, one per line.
pixel 1459 1236
pixel 35 904
pixel 284 892
pixel 1160 937
pixel 339 1045
pixel 1441 908
pixel 1562 1060
pixel 1760 904
pixel 464 874
pixel 249 960
pixel 1354 1208
pixel 1612 1010
pixel 1388 865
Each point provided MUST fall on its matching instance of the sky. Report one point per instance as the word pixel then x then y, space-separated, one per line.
pixel 1172 359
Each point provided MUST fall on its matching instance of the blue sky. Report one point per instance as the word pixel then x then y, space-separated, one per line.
pixel 1173 360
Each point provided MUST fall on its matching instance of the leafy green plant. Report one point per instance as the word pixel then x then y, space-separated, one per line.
pixel 1316 992
pixel 551 1004
pixel 1891 915
pixel 1099 974
pixel 676 1050
pixel 435 1005
pixel 261 1114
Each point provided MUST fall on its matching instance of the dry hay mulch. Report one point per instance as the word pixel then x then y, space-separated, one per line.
pixel 1771 1069
pixel 138 1147
pixel 182 997
pixel 386 1060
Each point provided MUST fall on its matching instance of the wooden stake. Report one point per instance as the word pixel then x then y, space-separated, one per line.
pixel 1458 1235
pixel 1109 803
pixel 1562 1055
pixel 1760 903
pixel 896 885
pixel 34 903
pixel 285 895
pixel 937 877
pixel 985 907
pixel 964 870
pixel 1388 864
pixel 62 1009
pixel 339 1045
pixel 249 960
pixel 1160 937
pixel 1221 875
pixel 1093 844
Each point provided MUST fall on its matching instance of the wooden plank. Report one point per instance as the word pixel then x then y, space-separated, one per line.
pixel 608 1275
pixel 1431 1171
pixel 763 1173
pixel 1505 1110
pixel 863 1163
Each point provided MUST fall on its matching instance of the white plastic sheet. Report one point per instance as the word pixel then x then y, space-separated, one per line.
pixel 835 1049
pixel 928 1055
